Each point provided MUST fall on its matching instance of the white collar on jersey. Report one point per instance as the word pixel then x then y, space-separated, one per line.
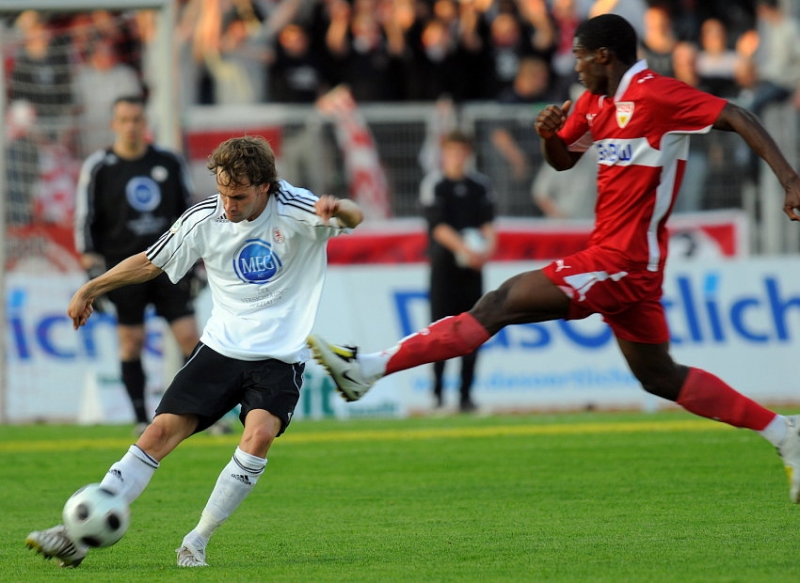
pixel 637 68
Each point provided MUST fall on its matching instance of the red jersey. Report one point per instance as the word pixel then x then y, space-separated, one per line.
pixel 642 140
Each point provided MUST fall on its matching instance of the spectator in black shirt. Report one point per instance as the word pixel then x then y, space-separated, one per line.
pixel 296 72
pixel 434 69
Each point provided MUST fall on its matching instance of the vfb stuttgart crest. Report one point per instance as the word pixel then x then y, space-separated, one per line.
pixel 624 112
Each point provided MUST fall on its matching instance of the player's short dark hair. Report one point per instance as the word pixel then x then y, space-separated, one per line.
pixel 609 31
pixel 458 137
pixel 132 99
pixel 244 161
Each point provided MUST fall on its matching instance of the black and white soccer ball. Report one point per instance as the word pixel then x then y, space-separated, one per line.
pixel 96 516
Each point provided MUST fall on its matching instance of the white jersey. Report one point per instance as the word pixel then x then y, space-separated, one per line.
pixel 265 276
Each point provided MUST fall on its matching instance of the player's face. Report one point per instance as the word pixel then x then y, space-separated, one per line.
pixel 591 74
pixel 455 156
pixel 242 202
pixel 129 123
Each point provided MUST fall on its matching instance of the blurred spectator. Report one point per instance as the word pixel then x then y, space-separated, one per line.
pixel 296 73
pixel 739 15
pixel 509 42
pixel 22 162
pixel 204 20
pixel 433 70
pixel 566 18
pixel 119 29
pixel 512 153
pixel 98 83
pixel 687 16
pixel 684 63
pixel 238 66
pixel 537 22
pixel 631 10
pixel 442 121
pixel 567 195
pixel 367 51
pixel 531 83
pixel 777 59
pixel 716 63
pixel 658 42
pixel 41 71
pixel 745 71
pixel 696 174
pixel 468 24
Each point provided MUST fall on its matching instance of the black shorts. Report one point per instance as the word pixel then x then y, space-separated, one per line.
pixel 210 384
pixel 171 300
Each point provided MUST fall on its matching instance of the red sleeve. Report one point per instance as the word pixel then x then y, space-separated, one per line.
pixel 576 128
pixel 685 109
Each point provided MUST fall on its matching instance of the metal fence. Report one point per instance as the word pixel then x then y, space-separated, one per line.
pixel 719 171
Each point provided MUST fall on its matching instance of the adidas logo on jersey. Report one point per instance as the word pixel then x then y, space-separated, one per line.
pixel 221 219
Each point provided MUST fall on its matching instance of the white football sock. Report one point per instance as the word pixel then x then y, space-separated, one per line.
pixel 775 431
pixel 373 365
pixel 233 485
pixel 130 475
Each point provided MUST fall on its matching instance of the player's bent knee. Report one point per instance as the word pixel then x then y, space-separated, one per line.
pixel 490 310
pixel 258 438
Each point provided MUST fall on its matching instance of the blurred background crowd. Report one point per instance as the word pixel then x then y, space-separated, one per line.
pixel 460 52
pixel 292 51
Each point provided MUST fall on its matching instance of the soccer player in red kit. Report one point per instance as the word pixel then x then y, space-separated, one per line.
pixel 640 123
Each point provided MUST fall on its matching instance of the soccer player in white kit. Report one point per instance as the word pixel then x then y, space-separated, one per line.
pixel 263 243
pixel 640 123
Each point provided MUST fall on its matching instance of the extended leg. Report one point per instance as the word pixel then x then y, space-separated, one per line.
pixel 706 395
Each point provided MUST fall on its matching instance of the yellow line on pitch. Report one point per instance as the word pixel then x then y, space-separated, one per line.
pixel 504 430
pixel 391 434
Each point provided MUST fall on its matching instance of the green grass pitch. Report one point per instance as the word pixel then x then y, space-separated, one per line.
pixel 581 497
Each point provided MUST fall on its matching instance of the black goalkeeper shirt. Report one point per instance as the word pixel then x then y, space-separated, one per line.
pixel 123 206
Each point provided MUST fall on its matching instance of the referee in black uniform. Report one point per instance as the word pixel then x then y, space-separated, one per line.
pixel 459 208
pixel 128 195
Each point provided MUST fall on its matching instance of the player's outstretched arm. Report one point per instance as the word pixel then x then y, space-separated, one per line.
pixel 134 269
pixel 344 209
pixel 746 124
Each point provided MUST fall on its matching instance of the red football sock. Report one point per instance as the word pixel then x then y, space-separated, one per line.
pixel 706 395
pixel 446 338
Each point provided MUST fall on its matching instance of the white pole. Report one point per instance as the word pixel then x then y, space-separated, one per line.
pixel 3 294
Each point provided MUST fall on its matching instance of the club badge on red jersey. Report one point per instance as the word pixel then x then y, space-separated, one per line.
pixel 624 112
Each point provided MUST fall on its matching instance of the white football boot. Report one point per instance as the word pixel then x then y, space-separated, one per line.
pixel 789 450
pixel 191 556
pixel 342 365
pixel 55 542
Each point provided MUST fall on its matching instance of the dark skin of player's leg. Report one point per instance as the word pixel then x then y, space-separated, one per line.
pixel 531 297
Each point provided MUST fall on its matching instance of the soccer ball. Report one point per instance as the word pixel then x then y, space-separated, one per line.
pixel 96 516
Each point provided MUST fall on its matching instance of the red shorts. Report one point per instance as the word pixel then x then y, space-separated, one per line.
pixel 602 281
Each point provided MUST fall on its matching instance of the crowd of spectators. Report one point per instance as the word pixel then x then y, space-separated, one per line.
pixel 293 51
pixel 290 51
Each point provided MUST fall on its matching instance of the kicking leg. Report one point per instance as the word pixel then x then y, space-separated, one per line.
pixel 528 297
pixel 128 477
